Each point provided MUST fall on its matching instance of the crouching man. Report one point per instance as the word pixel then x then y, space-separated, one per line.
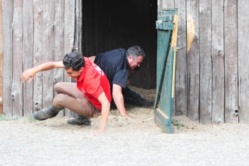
pixel 89 95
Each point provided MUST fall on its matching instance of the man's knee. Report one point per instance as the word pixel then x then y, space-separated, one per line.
pixel 58 86
pixel 59 99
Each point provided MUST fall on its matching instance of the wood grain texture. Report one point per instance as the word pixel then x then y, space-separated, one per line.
pixel 231 61
pixel 211 80
pixel 1 58
pixel 7 53
pixel 181 69
pixel 243 67
pixel 48 50
pixel 69 33
pixel 59 42
pixel 193 59
pixel 16 85
pixel 38 54
pixel 205 61
pixel 28 36
pixel 218 62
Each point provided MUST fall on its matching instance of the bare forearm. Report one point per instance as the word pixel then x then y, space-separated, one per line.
pixel 30 73
pixel 47 66
pixel 119 101
pixel 104 116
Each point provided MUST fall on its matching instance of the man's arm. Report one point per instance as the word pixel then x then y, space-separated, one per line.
pixel 119 100
pixel 104 112
pixel 30 73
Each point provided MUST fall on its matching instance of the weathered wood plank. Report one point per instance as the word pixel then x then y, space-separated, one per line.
pixel 231 61
pixel 38 53
pixel 1 58
pixel 69 24
pixel 48 49
pixel 218 62
pixel 193 59
pixel 205 61
pixel 27 54
pixel 181 70
pixel 168 4
pixel 7 53
pixel 16 87
pixel 243 49
pixel 78 36
pixel 59 41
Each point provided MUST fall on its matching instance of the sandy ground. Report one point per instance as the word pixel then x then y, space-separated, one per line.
pixel 136 141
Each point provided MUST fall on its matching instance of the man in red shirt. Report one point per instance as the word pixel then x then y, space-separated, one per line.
pixel 89 95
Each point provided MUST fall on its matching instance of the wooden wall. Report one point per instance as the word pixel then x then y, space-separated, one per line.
pixel 1 59
pixel 35 31
pixel 212 78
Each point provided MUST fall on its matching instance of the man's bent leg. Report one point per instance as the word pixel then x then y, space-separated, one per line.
pixel 81 106
pixel 82 120
pixel 73 96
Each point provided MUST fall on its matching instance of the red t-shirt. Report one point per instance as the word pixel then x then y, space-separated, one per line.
pixel 92 82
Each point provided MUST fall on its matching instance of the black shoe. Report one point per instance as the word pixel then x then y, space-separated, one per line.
pixel 80 120
pixel 139 102
pixel 147 103
pixel 46 113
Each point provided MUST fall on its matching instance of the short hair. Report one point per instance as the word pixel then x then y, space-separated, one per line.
pixel 135 51
pixel 74 60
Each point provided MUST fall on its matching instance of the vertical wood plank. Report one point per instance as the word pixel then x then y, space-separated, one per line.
pixel 16 87
pixel 159 4
pixel 205 61
pixel 243 49
pixel 27 54
pixel 48 49
pixel 168 4
pixel 59 40
pixel 38 53
pixel 218 62
pixel 181 69
pixel 7 53
pixel 78 31
pixel 193 59
pixel 231 60
pixel 69 23
pixel 1 58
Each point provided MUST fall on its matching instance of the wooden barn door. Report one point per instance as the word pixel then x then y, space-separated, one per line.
pixel 166 51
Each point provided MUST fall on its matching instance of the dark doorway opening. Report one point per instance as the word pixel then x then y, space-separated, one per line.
pixel 111 24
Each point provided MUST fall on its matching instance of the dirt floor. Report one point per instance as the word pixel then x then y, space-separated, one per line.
pixel 135 141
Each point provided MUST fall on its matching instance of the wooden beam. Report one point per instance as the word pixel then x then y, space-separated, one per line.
pixel 1 60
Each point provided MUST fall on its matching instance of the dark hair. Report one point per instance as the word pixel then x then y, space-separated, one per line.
pixel 135 51
pixel 74 60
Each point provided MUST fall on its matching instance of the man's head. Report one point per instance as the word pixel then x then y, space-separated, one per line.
pixel 135 56
pixel 73 64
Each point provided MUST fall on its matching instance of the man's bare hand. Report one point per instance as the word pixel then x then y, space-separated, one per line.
pixel 126 116
pixel 28 74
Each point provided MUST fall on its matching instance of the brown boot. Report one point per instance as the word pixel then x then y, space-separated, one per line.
pixel 46 113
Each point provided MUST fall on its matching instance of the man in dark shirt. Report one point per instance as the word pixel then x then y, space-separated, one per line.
pixel 117 64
